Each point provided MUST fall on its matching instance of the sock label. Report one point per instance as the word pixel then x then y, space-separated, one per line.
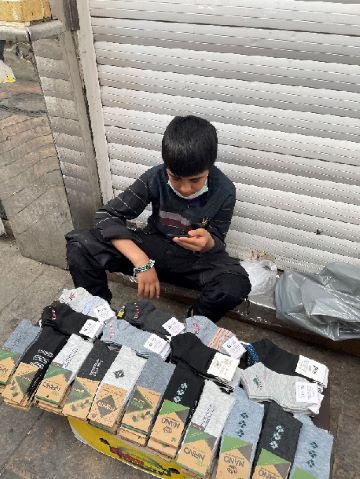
pixel 8 361
pixel 223 367
pixel 197 450
pixel 271 466
pixel 220 338
pixel 141 409
pixel 132 436
pixel 54 385
pixel 306 392
pixel 103 312
pixel 17 388
pixel 234 459
pixel 312 369
pixel 157 345
pixel 80 398
pixel 170 423
pixel 91 329
pixel 234 347
pixel 173 326
pixel 107 406
pixel 301 474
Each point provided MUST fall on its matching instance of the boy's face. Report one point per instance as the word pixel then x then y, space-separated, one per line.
pixel 187 185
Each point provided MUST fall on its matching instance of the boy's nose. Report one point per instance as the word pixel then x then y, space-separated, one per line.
pixel 185 190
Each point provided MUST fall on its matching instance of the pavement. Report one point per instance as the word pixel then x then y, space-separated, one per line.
pixel 41 445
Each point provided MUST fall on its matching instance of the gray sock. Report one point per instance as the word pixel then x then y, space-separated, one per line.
pixel 75 298
pixel 240 437
pixel 73 355
pixel 23 336
pixel 313 453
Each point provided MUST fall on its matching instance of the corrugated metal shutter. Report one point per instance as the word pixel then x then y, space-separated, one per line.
pixel 280 80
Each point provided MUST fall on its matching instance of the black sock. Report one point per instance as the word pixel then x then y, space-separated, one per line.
pixel 184 387
pixel 62 318
pixel 278 442
pixel 189 349
pixel 273 357
pixel 98 362
pixel 145 316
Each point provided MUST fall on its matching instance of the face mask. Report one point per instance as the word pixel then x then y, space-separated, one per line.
pixel 203 190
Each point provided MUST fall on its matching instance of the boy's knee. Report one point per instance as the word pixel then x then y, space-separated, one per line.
pixel 75 253
pixel 233 288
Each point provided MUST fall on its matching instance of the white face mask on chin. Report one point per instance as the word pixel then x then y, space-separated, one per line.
pixel 203 190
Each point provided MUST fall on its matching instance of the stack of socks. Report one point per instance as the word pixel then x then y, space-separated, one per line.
pixel 64 319
pixel 206 361
pixel 115 389
pixel 86 383
pixel 313 453
pixel 217 338
pixel 20 390
pixel 180 399
pixel 121 333
pixel 143 315
pixel 283 362
pixel 293 393
pixel 11 352
pixel 145 400
pixel 240 437
pixel 277 445
pixel 83 302
pixel 52 391
pixel 203 435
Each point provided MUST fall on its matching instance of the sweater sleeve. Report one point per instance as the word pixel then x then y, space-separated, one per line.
pixel 110 220
pixel 220 223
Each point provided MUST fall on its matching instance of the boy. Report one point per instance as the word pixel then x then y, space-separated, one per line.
pixel 183 242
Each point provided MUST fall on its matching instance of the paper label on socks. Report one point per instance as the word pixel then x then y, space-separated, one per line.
pixel 91 329
pixel 80 399
pixel 234 348
pixel 156 345
pixel 8 361
pixel 223 367
pixel 312 369
pixel 173 326
pixel 307 393
pixel 234 458
pixel 271 466
pixel 103 312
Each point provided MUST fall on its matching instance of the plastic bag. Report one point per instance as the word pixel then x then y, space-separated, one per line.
pixel 327 303
pixel 262 276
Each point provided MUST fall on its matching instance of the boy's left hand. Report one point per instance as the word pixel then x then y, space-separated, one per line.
pixel 199 240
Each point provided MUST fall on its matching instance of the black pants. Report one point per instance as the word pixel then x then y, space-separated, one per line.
pixel 221 280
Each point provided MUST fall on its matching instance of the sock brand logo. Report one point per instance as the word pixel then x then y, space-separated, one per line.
pixel 72 295
pixel 52 387
pixel 119 374
pixel 95 369
pixel 53 314
pixel 196 328
pixel 170 424
pixel 267 474
pixel 242 424
pixel 196 455
pixel 312 454
pixel 234 461
pixel 258 382
pixel 276 437
pixel 180 392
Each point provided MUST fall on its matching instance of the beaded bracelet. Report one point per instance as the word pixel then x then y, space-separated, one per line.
pixel 142 269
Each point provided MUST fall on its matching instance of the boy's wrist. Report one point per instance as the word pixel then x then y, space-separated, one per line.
pixel 209 244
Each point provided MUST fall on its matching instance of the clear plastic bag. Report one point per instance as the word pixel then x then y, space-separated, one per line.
pixel 262 276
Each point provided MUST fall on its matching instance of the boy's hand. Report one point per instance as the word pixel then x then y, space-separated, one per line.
pixel 199 240
pixel 148 284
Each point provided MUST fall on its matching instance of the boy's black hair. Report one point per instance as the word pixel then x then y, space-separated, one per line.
pixel 189 145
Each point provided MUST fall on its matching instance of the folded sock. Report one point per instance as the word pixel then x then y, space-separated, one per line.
pixel 283 362
pixel 278 442
pixel 147 395
pixel 63 369
pixel 263 384
pixel 180 398
pixel 24 335
pixel 115 388
pixel 64 319
pixel 240 437
pixel 75 298
pixel 33 365
pixel 91 373
pixel 211 335
pixel 121 333
pixel 206 361
pixel 202 437
pixel 83 302
pixel 313 453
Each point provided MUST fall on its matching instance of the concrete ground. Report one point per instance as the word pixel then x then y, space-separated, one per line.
pixel 40 445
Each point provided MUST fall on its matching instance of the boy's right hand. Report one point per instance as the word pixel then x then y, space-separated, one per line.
pixel 148 284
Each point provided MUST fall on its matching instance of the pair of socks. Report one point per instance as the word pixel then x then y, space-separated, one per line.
pixel 145 400
pixel 33 366
pixel 86 383
pixel 203 434
pixel 206 361
pixel 180 398
pixel 62 371
pixel 277 445
pixel 313 453
pixel 143 315
pixel 83 302
pixel 11 352
pixel 240 437
pixel 64 319
pixel 263 384
pixel 217 338
pixel 121 333
pixel 115 389
pixel 283 362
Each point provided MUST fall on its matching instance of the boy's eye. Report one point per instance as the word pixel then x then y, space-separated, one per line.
pixel 195 181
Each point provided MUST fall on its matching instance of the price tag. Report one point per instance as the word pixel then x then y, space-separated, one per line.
pixel 156 344
pixel 233 347
pixel 307 393
pixel 103 312
pixel 223 367
pixel 173 326
pixel 313 370
pixel 91 328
